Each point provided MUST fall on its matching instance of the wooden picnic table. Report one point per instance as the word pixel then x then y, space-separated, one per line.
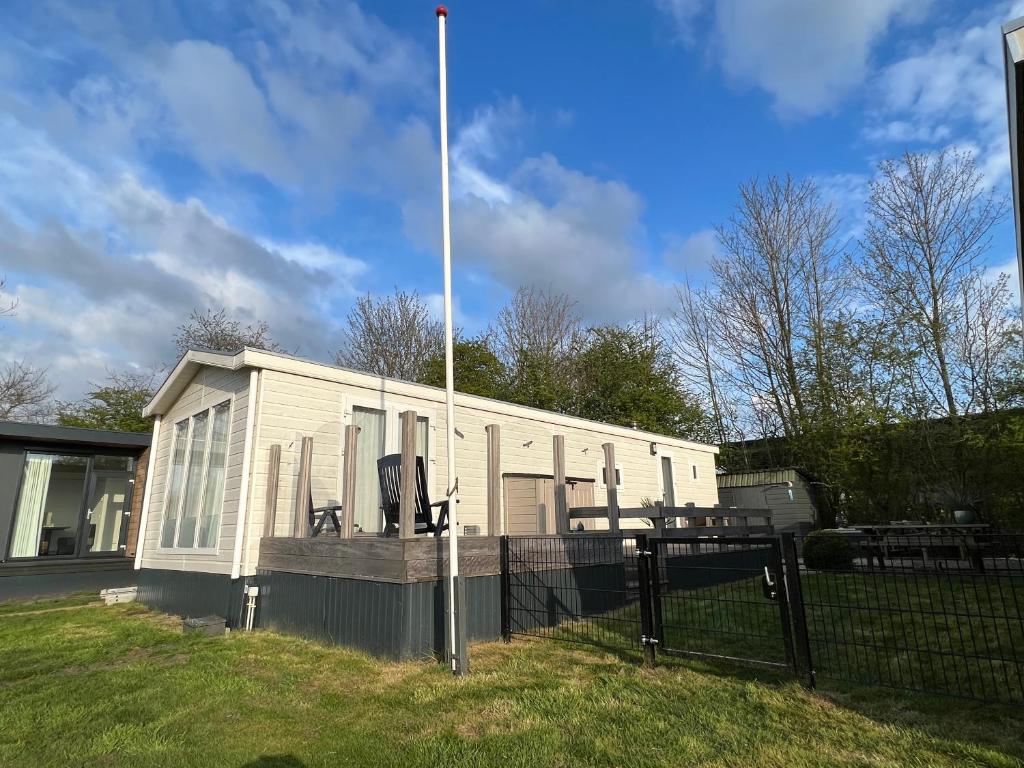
pixel 923 536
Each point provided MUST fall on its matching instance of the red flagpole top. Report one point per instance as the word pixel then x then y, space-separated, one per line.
pixel 441 11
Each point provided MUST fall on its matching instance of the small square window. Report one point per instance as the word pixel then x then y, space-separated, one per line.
pixel 618 476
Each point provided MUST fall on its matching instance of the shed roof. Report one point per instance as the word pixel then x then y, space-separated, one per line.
pixel 772 476
pixel 50 433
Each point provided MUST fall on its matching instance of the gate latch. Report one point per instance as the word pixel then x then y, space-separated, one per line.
pixel 648 640
pixel 769 587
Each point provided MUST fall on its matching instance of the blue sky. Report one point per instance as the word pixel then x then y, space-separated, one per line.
pixel 281 159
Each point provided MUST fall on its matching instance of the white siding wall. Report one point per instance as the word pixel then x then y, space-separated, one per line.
pixel 292 405
pixel 209 387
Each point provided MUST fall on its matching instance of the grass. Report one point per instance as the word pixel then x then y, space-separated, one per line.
pixel 122 686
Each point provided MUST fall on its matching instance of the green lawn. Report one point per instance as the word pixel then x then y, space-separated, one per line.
pixel 121 686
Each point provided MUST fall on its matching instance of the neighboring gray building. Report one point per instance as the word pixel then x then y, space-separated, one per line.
pixel 789 493
pixel 70 502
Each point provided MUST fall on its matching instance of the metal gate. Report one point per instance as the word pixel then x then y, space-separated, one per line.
pixel 721 599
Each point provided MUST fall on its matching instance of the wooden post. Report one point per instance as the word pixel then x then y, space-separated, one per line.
pixel 561 500
pixel 659 522
pixel 612 487
pixel 273 481
pixel 494 526
pixel 300 525
pixel 348 479
pixel 407 500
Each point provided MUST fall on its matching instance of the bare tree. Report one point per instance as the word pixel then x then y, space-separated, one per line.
pixel 984 342
pixel 25 393
pixel 930 222
pixel 391 336
pixel 5 307
pixel 540 322
pixel 780 288
pixel 214 330
pixel 692 333
pixel 535 336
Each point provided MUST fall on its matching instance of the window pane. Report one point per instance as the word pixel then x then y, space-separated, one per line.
pixel 193 481
pixel 174 484
pixel 105 512
pixel 423 440
pixel 667 481
pixel 118 463
pixel 49 506
pixel 213 497
pixel 369 448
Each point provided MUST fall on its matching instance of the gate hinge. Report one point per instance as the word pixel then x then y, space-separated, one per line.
pixel 648 640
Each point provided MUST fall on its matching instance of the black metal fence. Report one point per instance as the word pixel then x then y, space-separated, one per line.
pixel 937 614
pixel 583 589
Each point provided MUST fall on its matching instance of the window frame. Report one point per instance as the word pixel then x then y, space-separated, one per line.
pixel 620 477
pixel 190 418
pixel 661 475
pixel 88 453
pixel 392 430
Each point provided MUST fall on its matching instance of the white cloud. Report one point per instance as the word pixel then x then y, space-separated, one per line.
pixel 693 253
pixel 683 14
pixel 221 113
pixel 951 91
pixel 544 224
pixel 109 291
pixel 807 54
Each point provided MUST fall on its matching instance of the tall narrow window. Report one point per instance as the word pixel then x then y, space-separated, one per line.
pixel 213 496
pixel 193 481
pixel 423 440
pixel 667 483
pixel 195 488
pixel 370 447
pixel 175 483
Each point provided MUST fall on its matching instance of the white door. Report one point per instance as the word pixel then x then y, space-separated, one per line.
pixel 370 447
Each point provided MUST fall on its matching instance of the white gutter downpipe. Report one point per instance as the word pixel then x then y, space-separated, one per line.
pixel 457 622
pixel 147 494
pixel 243 492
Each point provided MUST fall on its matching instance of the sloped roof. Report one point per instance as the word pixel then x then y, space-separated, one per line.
pixel 754 477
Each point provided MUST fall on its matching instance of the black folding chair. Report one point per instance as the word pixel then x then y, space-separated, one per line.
pixel 389 469
pixel 316 526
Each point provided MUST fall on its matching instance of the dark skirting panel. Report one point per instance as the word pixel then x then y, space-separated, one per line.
pixel 45 580
pixel 397 621
pixel 192 594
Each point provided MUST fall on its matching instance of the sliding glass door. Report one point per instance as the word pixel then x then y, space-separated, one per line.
pixel 71 505
pixel 107 511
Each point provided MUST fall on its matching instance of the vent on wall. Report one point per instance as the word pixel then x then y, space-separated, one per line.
pixel 471 530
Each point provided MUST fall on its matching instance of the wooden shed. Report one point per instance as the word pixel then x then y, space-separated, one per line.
pixel 789 492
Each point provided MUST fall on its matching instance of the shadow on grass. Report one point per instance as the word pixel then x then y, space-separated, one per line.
pixel 275 761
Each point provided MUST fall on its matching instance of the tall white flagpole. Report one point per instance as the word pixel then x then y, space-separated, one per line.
pixel 456 602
